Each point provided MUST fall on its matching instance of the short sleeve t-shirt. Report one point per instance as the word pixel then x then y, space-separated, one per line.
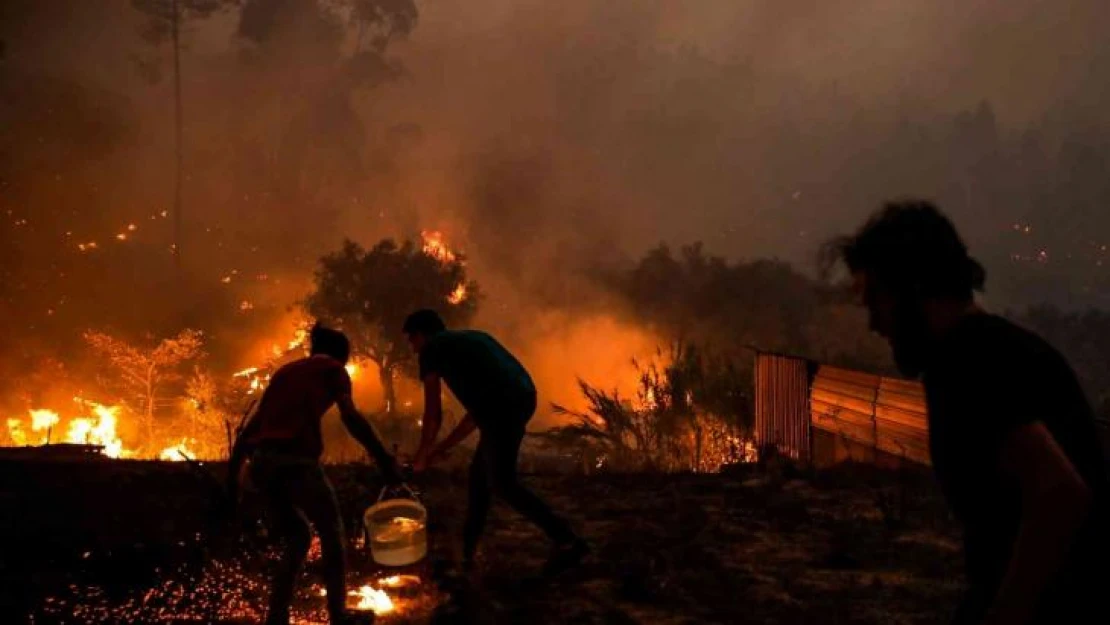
pixel 295 401
pixel 986 378
pixel 484 376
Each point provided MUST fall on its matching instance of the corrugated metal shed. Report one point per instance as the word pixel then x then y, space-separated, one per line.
pixel 822 415
pixel 869 412
pixel 782 405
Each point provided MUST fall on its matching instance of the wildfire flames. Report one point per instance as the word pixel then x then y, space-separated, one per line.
pixel 435 247
pixel 176 453
pixel 101 431
pixel 399 581
pixel 458 295
pixel 371 597
pixel 43 420
pixel 98 429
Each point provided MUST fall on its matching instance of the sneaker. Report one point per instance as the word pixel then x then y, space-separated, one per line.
pixel 566 556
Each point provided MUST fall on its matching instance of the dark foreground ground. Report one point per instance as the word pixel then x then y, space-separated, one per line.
pixel 137 542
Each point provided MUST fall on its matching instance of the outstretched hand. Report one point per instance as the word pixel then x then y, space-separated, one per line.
pixel 420 463
pixel 422 460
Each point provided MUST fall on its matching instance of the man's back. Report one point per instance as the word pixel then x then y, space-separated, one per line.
pixel 478 370
pixel 986 378
pixel 295 401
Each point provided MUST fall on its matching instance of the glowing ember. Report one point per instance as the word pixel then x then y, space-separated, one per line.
pixel 435 247
pixel 176 453
pixel 458 295
pixel 399 581
pixel 370 598
pixel 352 370
pixel 315 550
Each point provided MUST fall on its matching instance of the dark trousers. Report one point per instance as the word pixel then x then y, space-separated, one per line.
pixel 493 471
pixel 297 492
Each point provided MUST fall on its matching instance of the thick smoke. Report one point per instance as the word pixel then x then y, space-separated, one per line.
pixel 549 141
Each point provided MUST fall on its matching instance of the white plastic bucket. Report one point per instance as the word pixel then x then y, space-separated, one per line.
pixel 396 530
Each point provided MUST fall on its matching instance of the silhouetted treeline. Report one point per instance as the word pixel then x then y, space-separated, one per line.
pixel 730 309
pixel 735 307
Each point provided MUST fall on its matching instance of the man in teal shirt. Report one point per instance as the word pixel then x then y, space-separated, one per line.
pixel 499 398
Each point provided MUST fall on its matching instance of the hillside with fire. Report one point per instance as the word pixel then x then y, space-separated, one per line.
pixel 512 311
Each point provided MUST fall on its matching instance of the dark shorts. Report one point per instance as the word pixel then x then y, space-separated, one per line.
pixel 295 489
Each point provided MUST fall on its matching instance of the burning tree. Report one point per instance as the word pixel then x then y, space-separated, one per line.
pixel 143 371
pixel 369 292
pixel 209 411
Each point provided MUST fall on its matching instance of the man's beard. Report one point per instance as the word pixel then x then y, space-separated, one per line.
pixel 910 342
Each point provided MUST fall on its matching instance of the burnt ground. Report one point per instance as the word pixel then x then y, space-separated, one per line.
pixel 115 542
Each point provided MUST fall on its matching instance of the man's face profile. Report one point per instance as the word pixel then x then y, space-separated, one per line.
pixel 416 340
pixel 900 320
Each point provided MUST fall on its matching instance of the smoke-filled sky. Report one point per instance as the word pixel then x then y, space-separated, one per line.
pixel 757 127
pixel 547 140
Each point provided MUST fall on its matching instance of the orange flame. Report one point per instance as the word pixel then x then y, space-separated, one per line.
pixel 373 599
pixel 16 432
pixel 99 431
pixel 435 247
pixel 174 453
pixel 458 295
pixel 43 420
pixel 398 581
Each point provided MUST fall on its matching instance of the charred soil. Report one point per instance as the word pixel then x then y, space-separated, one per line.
pixel 124 541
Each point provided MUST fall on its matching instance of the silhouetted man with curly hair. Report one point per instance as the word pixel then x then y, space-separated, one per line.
pixel 1012 437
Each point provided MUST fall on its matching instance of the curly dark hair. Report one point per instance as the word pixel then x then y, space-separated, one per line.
pixel 425 321
pixel 911 248
pixel 324 340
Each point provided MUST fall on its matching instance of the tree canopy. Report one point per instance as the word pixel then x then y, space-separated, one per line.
pixel 369 292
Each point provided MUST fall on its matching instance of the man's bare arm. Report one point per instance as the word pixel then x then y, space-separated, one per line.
pixel 239 454
pixel 1055 503
pixel 364 433
pixel 465 427
pixel 433 415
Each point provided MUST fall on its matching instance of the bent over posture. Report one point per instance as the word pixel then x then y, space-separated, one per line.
pixel 499 398
pixel 1011 435
pixel 284 443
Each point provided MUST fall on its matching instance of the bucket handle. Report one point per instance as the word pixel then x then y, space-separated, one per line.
pixel 405 488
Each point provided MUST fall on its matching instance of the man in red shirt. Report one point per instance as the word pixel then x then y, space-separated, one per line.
pixel 284 444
